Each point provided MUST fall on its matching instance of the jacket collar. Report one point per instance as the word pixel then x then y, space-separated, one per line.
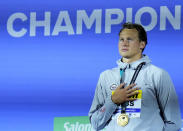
pixel 134 64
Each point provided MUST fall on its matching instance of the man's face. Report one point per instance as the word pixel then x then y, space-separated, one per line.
pixel 130 47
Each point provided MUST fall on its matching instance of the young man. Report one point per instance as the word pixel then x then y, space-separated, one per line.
pixel 136 95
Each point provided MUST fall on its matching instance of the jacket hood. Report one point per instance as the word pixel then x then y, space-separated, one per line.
pixel 134 64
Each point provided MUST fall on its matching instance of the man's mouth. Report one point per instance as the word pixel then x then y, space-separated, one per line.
pixel 124 50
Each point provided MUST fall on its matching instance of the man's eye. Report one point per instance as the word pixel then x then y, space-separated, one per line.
pixel 121 40
pixel 129 39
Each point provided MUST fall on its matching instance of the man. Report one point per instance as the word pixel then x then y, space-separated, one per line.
pixel 136 95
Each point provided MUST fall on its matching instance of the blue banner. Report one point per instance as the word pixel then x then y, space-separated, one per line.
pixel 52 52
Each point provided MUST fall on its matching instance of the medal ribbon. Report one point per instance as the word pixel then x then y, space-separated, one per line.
pixel 123 105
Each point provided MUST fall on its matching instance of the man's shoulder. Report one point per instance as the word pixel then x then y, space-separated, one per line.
pixel 111 71
pixel 153 69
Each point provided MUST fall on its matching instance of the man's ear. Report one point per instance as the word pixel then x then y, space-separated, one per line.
pixel 142 45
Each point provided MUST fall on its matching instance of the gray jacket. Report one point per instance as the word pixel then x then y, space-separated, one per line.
pixel 159 108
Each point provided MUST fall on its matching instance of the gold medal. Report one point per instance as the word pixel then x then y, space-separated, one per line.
pixel 122 119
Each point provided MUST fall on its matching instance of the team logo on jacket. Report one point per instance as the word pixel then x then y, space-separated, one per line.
pixel 113 86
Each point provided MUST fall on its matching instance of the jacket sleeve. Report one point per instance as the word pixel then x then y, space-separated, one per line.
pixel 102 107
pixel 168 103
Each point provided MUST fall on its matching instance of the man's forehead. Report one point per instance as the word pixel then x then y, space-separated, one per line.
pixel 129 32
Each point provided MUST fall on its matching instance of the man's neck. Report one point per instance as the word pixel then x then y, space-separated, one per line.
pixel 130 60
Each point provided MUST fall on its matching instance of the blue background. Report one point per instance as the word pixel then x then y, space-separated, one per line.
pixel 43 77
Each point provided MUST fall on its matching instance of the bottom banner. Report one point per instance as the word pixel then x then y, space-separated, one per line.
pixel 80 123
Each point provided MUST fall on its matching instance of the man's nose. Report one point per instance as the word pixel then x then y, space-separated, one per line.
pixel 125 43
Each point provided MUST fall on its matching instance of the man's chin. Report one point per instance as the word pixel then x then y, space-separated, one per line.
pixel 125 56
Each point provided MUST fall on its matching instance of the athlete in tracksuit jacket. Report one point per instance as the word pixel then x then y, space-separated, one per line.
pixel 159 105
